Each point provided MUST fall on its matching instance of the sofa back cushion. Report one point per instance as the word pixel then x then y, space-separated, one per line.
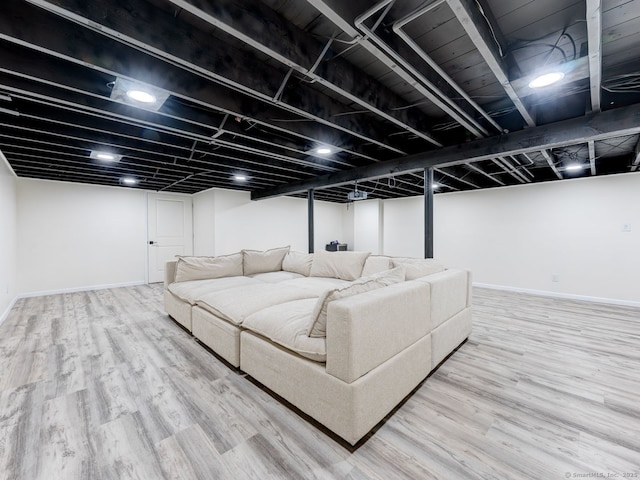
pixel 297 262
pixel 376 264
pixel 343 265
pixel 318 327
pixel 417 268
pixel 202 268
pixel 257 261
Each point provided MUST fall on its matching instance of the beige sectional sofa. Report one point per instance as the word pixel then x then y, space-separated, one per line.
pixel 343 336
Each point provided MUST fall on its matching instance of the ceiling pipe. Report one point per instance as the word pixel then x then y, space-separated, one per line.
pixel 398 29
pixel 408 72
pixel 479 32
pixel 370 34
pixel 187 6
pixel 390 58
pixel 504 163
pixel 520 166
pixel 482 172
pixel 457 179
pixel 552 164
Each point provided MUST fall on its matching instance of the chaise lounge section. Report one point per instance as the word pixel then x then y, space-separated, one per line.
pixel 343 336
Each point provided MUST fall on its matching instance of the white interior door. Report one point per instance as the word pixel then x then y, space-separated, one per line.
pixel 170 227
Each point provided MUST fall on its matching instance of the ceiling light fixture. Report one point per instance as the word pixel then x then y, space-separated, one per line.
pixel 141 96
pixel 435 186
pixel 105 156
pixel 546 79
pixel 138 94
pixel 574 166
pixel 129 181
pixel 240 178
pixel 323 150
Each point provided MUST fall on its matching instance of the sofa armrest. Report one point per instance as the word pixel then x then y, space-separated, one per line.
pixel 169 272
pixel 365 330
pixel 450 293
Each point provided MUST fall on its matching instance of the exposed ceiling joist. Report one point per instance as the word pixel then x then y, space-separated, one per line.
pixel 592 156
pixel 551 162
pixel 594 31
pixel 636 160
pixel 232 69
pixel 246 19
pixel 603 125
pixel 476 25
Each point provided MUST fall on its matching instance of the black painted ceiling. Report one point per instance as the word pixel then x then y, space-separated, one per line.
pixel 254 87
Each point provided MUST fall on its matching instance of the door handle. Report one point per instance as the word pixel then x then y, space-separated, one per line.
pixel 151 242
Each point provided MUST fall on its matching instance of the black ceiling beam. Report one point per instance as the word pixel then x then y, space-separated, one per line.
pixel 111 60
pixel 598 126
pixel 264 29
pixel 344 15
pixel 196 52
pixel 102 108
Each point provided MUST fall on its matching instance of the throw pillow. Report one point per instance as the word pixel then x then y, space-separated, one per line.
pixel 256 261
pixel 297 262
pixel 417 268
pixel 318 326
pixel 343 265
pixel 375 264
pixel 202 268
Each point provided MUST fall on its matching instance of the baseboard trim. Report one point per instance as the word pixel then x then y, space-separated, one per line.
pixel 5 314
pixel 568 296
pixel 42 293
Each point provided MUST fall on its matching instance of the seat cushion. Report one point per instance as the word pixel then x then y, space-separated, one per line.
pixel 287 325
pixel 193 290
pixel 316 285
pixel 236 304
pixel 276 277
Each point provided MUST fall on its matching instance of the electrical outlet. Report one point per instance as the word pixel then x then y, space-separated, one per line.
pixel 555 277
pixel 626 227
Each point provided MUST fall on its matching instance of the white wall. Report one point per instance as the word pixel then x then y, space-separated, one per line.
pixel 74 236
pixel 368 226
pixel 8 246
pixel 404 227
pixel 519 237
pixel 227 221
pixel 204 223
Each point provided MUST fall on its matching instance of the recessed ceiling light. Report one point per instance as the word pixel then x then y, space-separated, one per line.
pixel 240 178
pixel 435 185
pixel 323 150
pixel 138 94
pixel 141 96
pixel 105 156
pixel 129 181
pixel 546 79
pixel 574 167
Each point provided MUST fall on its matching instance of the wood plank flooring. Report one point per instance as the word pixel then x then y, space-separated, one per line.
pixel 103 385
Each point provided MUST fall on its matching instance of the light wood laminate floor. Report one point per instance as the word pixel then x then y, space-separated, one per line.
pixel 103 385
